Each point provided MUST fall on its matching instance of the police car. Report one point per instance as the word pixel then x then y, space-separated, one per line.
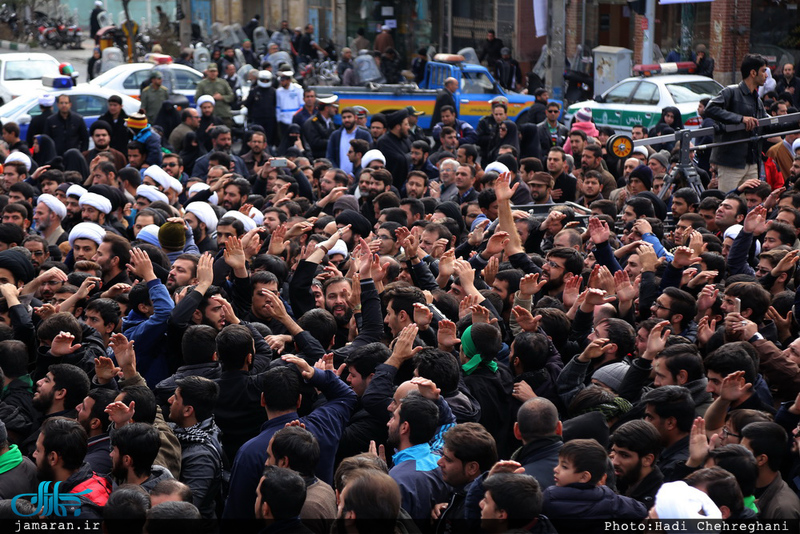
pixel 88 101
pixel 21 73
pixel 640 99
pixel 128 78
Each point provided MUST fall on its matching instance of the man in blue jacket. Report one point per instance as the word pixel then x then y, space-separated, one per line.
pixel 281 397
pixel 146 323
pixel 339 141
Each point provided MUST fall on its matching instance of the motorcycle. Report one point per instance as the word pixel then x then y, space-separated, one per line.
pixel 70 34
pixel 49 36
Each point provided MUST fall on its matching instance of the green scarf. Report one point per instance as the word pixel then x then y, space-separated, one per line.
pixel 11 459
pixel 475 359
pixel 750 502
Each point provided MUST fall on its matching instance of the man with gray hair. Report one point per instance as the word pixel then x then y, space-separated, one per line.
pixel 447 177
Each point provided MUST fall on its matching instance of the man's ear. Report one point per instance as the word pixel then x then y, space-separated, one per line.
pixel 197 317
pixel 648 460
pixel 517 433
pixel 683 377
pixel 677 318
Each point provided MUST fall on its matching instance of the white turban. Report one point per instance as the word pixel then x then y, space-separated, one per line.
pixel 257 216
pixel 205 98
pixel 76 191
pixel 339 248
pixel 54 205
pixel 175 185
pixel 151 193
pixel 795 145
pixel 641 150
pixel 497 167
pixel 21 158
pixel 87 230
pixel 372 155
pixel 200 186
pixel 678 500
pixel 96 201
pixel 158 175
pixel 249 224
pixel 733 231
pixel 204 213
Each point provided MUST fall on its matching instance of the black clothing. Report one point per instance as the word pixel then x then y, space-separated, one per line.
pixel 36 125
pixel 316 132
pixel 645 491
pixel 490 51
pixel 120 135
pixel 397 157
pixel 445 98
pixel 260 106
pixel 729 107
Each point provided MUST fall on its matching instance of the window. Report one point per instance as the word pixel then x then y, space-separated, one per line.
pixel 30 70
pixel 185 80
pixel 89 105
pixel 477 83
pixel 621 93
pixel 685 92
pixel 135 80
pixel 646 94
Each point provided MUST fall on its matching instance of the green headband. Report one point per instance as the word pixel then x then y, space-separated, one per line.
pixel 475 359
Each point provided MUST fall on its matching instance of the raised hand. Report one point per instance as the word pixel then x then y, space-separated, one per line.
pixel 705 330
pixel 119 413
pixel 525 319
pixel 422 316
pixel 787 263
pixel 597 297
pixel 598 230
pixel 205 271
pixel 490 271
pixel 572 288
pixel 496 244
pixel 105 370
pixel 684 257
pixel 698 444
pixel 593 350
pixel 404 344
pixel 141 266
pixel 234 254
pixel 734 386
pixel 465 273
pixel 123 351
pixel 427 388
pixel 62 345
pixel 625 290
pixel 657 340
pixel 480 314
pixel 530 285
pixel 306 370
pixel 446 335
pixel 647 257
pixel 755 220
pixel 278 241
pixel 475 237
pixel 502 189
pixel 642 227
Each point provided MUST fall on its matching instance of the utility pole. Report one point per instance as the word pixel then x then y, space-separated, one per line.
pixel 185 26
pixel 648 32
pixel 556 48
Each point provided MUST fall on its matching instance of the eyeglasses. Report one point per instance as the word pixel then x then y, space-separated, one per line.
pixel 37 253
pixel 726 433
pixel 762 271
pixel 658 306
pixel 553 111
pixel 553 265
pixel 172 164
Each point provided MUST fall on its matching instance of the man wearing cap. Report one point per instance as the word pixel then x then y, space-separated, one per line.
pixel 384 39
pixel 393 146
pixel 289 97
pixel 507 69
pixel 658 163
pixel 48 215
pixel 147 194
pixel 339 142
pixel 415 133
pixel 37 123
pixel 361 117
pixel 115 117
pixel 101 135
pixel 190 122
pixel 541 185
pixel 67 129
pixel 220 91
pixel 153 96
pixel 143 133
pixel 445 98
pixel 318 129
pixel 261 105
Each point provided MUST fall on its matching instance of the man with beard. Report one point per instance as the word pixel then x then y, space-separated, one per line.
pixel 413 424
pixel 191 415
pixel 220 91
pixel 258 155
pixel 794 171
pixel 47 284
pixel 48 215
pixel 377 127
pixel 183 272
pixel 355 155
pixel 94 208
pixel 134 448
pixel 66 128
pixel 469 451
pixel 337 296
pixel 113 256
pixel 104 172
pixel 57 394
pixel 220 142
pixel 280 496
pixel 208 121
pixel 541 186
pixel 235 194
pixel 393 146
pixel 671 410
pixel 339 143
pixel 38 248
pixel 591 160
pixel 173 166
pixel 202 219
pixel 60 451
pixel 115 119
pixel 260 311
pixel 635 447
pixel 332 185
pixel 93 418
pixel 420 150
pixel 101 135
pixel 465 133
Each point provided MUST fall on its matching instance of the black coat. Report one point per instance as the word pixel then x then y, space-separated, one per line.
pixel 445 98
pixel 69 132
pixel 36 125
pixel 539 458
pixel 397 157
pixel 588 503
pixel 120 135
pixel 493 393
pixel 316 132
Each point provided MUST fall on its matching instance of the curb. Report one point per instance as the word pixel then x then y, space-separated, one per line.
pixel 19 47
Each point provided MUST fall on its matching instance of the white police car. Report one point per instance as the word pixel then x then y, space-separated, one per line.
pixel 640 99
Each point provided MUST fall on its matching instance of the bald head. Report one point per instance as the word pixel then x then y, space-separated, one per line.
pixel 401 393
pixel 537 418
pixel 450 83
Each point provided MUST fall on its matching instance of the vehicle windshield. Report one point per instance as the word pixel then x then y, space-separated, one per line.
pixel 15 106
pixel 477 83
pixel 685 92
pixel 106 77
pixel 29 70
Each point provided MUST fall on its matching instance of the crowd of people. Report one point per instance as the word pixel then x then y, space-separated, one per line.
pixel 363 329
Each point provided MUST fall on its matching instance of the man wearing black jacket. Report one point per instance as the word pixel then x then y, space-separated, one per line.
pixel 36 126
pixel 393 146
pixel 318 129
pixel 67 129
pixel 115 116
